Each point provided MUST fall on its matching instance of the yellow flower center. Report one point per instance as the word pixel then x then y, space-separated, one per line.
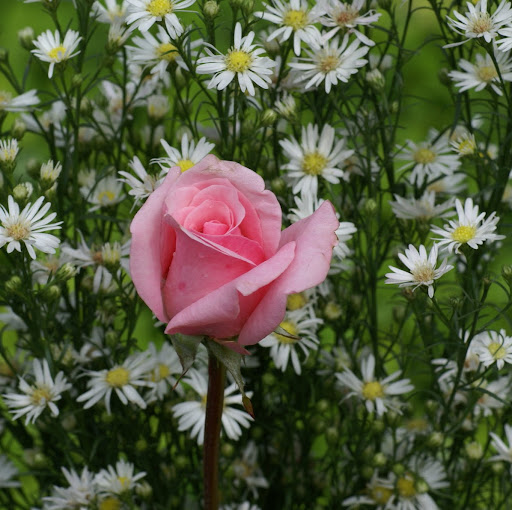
pixel 328 63
pixel 7 154
pixel 481 23
pixel 106 197
pixel 41 395
pixel 110 503
pixel 18 231
pixel 424 156
pixel 185 164
pixel 295 19
pixel 238 61
pixel 159 8
pixel 405 487
pixel 313 163
pixel 160 373
pixel 423 273
pixel 295 301
pixel 167 51
pixel 487 73
pixel 290 328
pixel 57 53
pixel 372 390
pixel 345 18
pixel 381 494
pixel 124 482
pixel 466 147
pixel 117 377
pixel 497 350
pixel 463 234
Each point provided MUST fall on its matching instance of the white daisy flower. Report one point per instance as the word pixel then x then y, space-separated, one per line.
pixel 315 156
pixel 112 12
pixel 429 159
pixel 28 226
pixel 162 375
pixel 242 61
pixel 123 379
pixel 190 153
pixel 297 330
pixel 334 60
pixel 50 49
pixel 483 72
pixel 464 143
pixel 378 492
pixel 422 267
pixel 293 17
pixel 22 103
pixel 34 398
pixel 145 184
pixel 247 469
pixel 118 479
pixel 376 394
pixel 477 22
pixel 191 414
pixel 422 208
pixel 8 151
pixel 49 172
pixel 504 450
pixel 493 347
pixel 346 16
pixel 158 52
pixel 7 472
pixel 80 492
pixel 144 13
pixel 468 228
pixel 106 193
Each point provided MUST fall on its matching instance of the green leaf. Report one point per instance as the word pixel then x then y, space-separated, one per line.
pixel 186 347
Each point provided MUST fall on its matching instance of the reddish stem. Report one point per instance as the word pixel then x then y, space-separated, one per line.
pixel 214 407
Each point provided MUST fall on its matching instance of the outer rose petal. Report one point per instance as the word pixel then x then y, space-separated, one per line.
pixel 251 185
pixel 315 238
pixel 145 255
pixel 222 313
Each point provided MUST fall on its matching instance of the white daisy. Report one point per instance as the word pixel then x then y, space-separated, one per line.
pixel 378 492
pixel 247 469
pixel 50 172
pixel 106 193
pixel 118 479
pixel 145 184
pixel 422 267
pixel 293 17
pixel 123 379
pixel 483 72
pixel 315 156
pixel 346 16
pixel 191 414
pixel 479 23
pixel 190 153
pixel 242 60
pixel 28 226
pixel 463 143
pixel 162 374
pixel 504 450
pixel 112 12
pixel 36 397
pixel 80 492
pixel 467 229
pixel 7 472
pixel 376 394
pixel 297 330
pixel 50 49
pixel 334 60
pixel 21 103
pixel 144 13
pixel 422 208
pixel 493 347
pixel 429 159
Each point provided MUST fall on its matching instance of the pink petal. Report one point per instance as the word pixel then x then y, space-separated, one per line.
pixel 146 264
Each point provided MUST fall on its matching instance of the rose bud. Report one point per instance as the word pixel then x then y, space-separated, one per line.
pixel 209 258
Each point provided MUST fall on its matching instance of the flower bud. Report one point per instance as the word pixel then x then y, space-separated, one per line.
pixel 49 173
pixel 65 272
pixel 398 469
pixel 227 449
pixel 444 77
pixel 141 445
pixel 376 80
pixel 158 107
pixel 144 490
pixel 332 310
pixel 331 434
pixel 111 339
pixel 4 55
pixel 435 440
pixel 367 472
pixel 211 9
pixel 278 185
pixel 50 293
pixel 111 256
pixel 247 7
pixel 8 152
pixel 498 467
pixel 21 192
pixel 26 37
pixel 421 486
pixel 474 450
pixel 506 272
pixel 77 80
pixel 370 206
pixel 269 117
pixel 68 422
pixel 13 285
pixel 379 460
pixel 18 129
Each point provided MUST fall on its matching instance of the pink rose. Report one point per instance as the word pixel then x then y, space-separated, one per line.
pixel 209 258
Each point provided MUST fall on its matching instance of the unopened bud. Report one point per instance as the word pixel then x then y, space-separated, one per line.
pixel 278 185
pixel 65 272
pixel 4 55
pixel 21 192
pixel 376 80
pixel 332 310
pixel 506 272
pixel 144 490
pixel 51 293
pixel 444 77
pixel 370 206
pixel 227 449
pixel 49 173
pixel 26 37
pixel 211 9
pixel 269 117
pixel 435 440
pixel 474 450
pixel 18 129
pixel 13 285
pixel 379 460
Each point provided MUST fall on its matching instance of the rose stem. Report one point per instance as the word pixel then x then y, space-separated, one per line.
pixel 214 407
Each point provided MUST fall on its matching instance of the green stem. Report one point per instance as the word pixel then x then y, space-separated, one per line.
pixel 214 406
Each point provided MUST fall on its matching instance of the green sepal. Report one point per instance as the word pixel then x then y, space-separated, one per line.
pixel 232 361
pixel 186 347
